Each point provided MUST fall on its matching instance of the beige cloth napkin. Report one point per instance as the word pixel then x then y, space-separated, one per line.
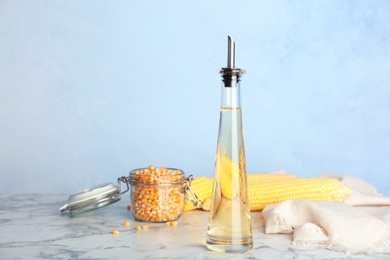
pixel 335 225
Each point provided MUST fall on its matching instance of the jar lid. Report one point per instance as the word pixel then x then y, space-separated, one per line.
pixel 92 198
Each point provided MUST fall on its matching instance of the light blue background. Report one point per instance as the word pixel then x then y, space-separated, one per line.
pixel 92 89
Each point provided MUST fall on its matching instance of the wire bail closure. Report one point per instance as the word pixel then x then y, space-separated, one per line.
pixel 190 194
pixel 122 180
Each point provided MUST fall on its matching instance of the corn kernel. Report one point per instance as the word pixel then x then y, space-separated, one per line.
pixel 171 223
pixel 126 223
pixel 128 207
pixel 138 227
pixel 146 226
pixel 115 232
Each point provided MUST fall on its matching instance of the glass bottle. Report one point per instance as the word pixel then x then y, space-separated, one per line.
pixel 229 224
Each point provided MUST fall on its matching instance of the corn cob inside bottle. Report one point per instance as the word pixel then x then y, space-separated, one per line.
pixel 229 224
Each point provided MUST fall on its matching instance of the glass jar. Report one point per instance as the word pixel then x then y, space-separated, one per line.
pixel 157 193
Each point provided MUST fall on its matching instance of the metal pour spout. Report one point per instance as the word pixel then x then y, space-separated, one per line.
pixel 231 54
pixel 231 75
pixel 231 69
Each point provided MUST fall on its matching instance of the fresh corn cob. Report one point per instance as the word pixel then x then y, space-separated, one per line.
pixel 229 174
pixel 263 193
pixel 202 187
pixel 265 189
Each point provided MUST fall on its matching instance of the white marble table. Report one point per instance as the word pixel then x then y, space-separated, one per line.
pixel 31 227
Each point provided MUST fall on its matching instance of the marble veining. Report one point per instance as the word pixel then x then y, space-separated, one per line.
pixel 33 228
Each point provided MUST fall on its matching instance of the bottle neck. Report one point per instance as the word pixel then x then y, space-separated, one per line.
pixel 230 91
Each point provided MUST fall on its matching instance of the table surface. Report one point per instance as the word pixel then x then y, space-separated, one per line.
pixel 33 228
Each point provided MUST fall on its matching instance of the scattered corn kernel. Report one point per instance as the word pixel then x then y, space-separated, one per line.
pixel 115 232
pixel 171 223
pixel 128 207
pixel 146 226
pixel 138 227
pixel 126 223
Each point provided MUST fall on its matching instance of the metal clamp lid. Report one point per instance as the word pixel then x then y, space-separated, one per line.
pixel 94 198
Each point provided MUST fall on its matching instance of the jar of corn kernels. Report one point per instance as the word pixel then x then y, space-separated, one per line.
pixel 157 193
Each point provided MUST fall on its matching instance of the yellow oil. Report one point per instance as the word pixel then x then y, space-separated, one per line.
pixel 229 225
